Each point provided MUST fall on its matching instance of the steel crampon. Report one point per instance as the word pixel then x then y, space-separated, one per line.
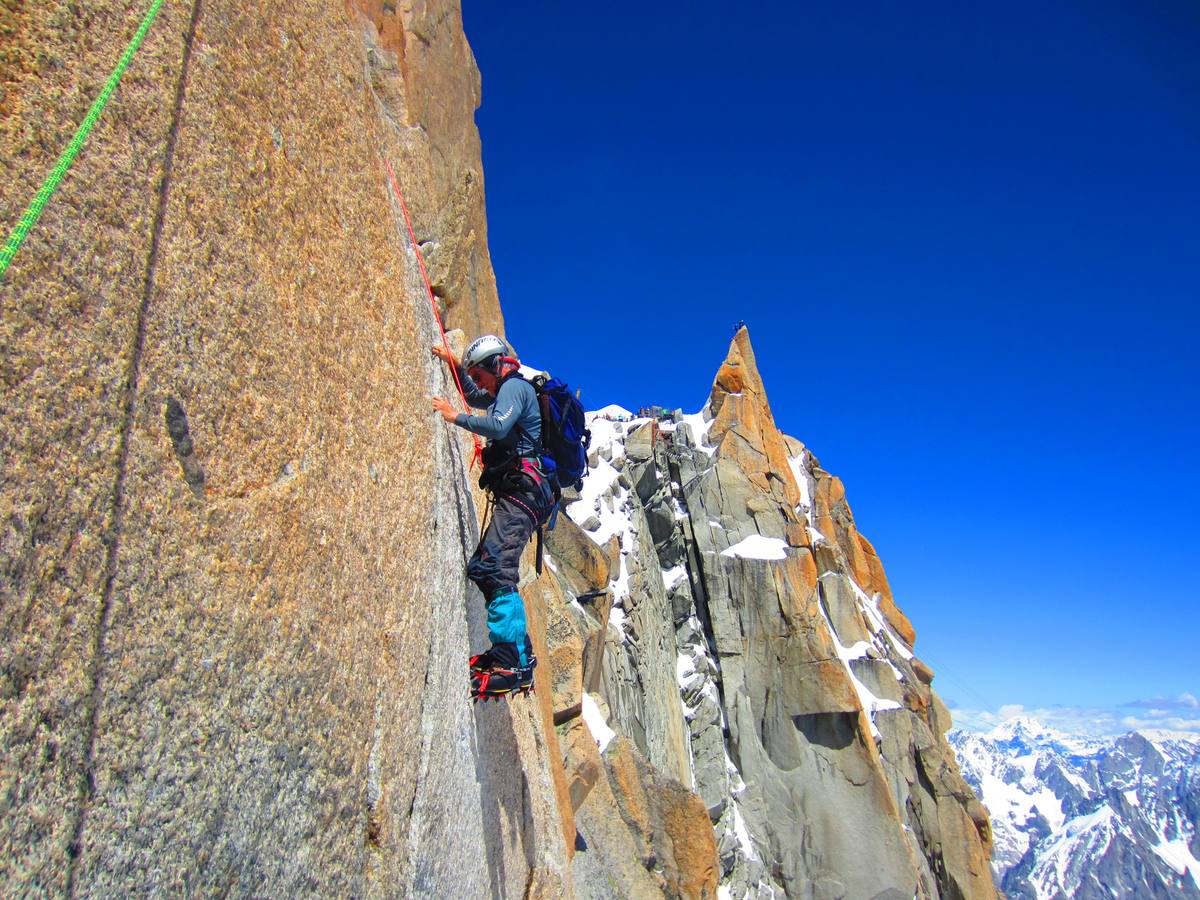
pixel 500 684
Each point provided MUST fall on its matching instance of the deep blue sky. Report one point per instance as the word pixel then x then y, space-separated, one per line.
pixel 967 245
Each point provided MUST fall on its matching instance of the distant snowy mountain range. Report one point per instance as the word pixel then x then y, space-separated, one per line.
pixel 1085 817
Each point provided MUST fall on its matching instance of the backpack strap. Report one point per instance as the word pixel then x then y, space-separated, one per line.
pixel 540 444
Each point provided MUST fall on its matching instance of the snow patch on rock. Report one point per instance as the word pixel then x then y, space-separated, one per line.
pixel 596 724
pixel 758 547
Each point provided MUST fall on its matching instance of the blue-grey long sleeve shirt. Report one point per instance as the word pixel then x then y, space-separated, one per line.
pixel 513 418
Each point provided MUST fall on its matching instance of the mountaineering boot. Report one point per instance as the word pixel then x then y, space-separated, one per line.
pixel 502 656
pixel 497 672
pixel 482 662
pixel 498 684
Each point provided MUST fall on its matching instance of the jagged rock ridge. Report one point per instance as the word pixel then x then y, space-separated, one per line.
pixel 812 734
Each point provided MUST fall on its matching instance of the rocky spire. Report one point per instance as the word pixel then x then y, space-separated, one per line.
pixel 743 428
pixel 815 739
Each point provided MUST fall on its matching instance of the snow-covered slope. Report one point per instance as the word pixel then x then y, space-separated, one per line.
pixel 1087 817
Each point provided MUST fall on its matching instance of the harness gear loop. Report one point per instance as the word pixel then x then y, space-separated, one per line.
pixel 478 454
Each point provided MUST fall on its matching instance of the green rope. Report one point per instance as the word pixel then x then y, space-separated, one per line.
pixel 64 162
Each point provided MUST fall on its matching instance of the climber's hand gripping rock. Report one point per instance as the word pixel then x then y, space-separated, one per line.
pixel 444 354
pixel 442 406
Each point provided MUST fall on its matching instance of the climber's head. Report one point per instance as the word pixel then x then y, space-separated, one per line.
pixel 488 360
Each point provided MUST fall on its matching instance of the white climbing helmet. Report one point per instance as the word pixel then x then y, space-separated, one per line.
pixel 484 349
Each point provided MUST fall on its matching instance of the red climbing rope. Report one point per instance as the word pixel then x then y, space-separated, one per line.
pixel 478 454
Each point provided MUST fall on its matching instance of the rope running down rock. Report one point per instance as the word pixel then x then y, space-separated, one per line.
pixel 34 211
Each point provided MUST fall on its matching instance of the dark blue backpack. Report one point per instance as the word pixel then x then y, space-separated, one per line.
pixel 565 437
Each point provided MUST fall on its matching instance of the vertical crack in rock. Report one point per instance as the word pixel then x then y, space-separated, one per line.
pixel 448 843
pixel 696 579
pixel 440 450
pixel 374 776
pixel 87 782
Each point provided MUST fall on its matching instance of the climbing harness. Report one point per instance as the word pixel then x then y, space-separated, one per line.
pixel 50 185
pixel 478 454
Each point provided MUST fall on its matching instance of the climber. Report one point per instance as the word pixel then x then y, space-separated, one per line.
pixel 522 498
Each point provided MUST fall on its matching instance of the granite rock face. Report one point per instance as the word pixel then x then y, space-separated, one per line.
pixel 641 830
pixel 233 621
pixel 641 833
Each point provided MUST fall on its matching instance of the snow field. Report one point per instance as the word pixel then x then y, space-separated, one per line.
pixel 1023 768
pixel 1054 869
pixel 604 497
pixel 799 465
pixel 1017 802
pixel 612 411
pixel 700 427
pixel 1178 856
